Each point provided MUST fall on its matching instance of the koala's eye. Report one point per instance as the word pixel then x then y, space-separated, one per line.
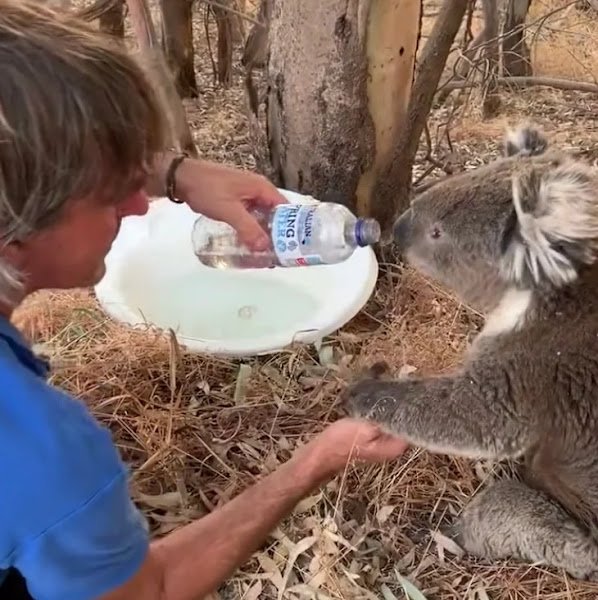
pixel 435 233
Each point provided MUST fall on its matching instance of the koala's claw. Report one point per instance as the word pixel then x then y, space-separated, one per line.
pixel 362 398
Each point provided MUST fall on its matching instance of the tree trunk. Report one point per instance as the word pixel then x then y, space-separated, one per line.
pixel 491 101
pixel 239 21
pixel 338 81
pixel 145 34
pixel 178 44
pixel 225 26
pixel 515 52
pixel 113 20
pixel 393 185
pixel 255 51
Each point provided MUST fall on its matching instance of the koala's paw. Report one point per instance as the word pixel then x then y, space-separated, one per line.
pixel 378 370
pixel 366 399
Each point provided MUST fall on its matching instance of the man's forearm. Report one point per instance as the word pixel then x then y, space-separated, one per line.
pixel 198 557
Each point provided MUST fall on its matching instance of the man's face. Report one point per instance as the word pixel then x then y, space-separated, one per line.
pixel 71 252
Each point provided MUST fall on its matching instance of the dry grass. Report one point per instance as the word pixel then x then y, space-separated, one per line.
pixel 193 443
pixel 566 43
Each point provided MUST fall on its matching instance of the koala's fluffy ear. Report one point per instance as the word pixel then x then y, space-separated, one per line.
pixel 553 230
pixel 525 140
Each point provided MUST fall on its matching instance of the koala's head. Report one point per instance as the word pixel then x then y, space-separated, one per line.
pixel 529 219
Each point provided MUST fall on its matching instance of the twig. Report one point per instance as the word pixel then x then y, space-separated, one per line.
pixel 234 11
pixel 206 25
pixel 559 84
pixel 419 179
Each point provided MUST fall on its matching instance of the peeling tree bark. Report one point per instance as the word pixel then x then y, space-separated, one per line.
pixel 178 44
pixel 393 37
pixel 338 77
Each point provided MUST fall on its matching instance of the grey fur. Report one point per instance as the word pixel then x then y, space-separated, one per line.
pixel 518 238
pixel 525 140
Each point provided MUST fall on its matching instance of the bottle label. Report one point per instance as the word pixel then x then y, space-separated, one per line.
pixel 292 235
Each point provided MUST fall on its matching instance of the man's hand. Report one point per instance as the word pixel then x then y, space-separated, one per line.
pixel 225 194
pixel 351 439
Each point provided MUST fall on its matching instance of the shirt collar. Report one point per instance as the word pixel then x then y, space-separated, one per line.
pixel 22 348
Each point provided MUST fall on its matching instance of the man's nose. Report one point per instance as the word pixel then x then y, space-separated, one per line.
pixel 137 204
pixel 401 230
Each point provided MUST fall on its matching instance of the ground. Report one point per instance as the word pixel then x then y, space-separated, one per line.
pixel 194 438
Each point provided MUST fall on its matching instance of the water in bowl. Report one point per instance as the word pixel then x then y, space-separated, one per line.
pixel 217 305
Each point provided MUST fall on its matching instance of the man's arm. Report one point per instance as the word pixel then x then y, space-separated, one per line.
pixel 190 563
pixel 219 192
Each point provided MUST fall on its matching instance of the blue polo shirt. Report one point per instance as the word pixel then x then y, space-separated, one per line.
pixel 67 523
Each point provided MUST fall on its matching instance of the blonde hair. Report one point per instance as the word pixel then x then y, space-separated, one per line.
pixel 78 116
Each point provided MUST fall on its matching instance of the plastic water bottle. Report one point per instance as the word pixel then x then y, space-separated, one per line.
pixel 301 235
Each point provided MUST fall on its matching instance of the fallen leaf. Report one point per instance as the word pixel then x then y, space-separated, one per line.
pixel 241 385
pixel 385 512
pixel 446 543
pixel 307 503
pixel 386 593
pixel 406 370
pixel 203 386
pixel 167 500
pixel 299 548
pixel 270 567
pixel 481 592
pixel 253 593
pixel 410 590
pixel 326 355
pixel 407 560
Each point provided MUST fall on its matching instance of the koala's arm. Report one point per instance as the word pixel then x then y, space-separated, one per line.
pixel 466 414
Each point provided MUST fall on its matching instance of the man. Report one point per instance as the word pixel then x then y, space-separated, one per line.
pixel 81 146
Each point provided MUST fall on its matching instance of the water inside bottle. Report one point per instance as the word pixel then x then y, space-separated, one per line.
pixel 218 247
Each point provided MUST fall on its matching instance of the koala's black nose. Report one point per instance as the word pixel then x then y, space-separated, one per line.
pixel 401 231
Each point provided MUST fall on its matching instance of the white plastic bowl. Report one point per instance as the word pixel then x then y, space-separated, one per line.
pixel 153 278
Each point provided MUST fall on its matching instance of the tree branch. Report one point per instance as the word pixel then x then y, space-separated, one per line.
pixel 395 182
pixel 559 84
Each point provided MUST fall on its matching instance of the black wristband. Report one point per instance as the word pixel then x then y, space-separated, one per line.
pixel 170 177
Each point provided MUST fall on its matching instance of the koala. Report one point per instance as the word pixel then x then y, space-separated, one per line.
pixel 517 239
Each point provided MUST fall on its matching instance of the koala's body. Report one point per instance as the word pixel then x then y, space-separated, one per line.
pixel 518 239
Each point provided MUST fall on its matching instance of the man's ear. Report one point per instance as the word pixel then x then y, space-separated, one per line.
pixel 553 229
pixel 14 253
pixel 13 265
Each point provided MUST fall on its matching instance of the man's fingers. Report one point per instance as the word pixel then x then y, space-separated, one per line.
pixel 387 445
pixel 250 232
pixel 269 196
pixel 396 445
